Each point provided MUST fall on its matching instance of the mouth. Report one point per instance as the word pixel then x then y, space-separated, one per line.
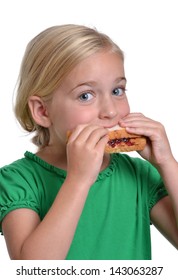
pixel 113 127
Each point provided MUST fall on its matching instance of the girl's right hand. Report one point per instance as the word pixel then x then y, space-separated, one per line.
pixel 85 152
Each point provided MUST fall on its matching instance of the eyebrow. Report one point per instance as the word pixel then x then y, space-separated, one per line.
pixel 120 79
pixel 91 83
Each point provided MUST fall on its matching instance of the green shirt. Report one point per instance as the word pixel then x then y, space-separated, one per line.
pixel 115 222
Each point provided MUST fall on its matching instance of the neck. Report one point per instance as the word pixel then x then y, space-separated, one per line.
pixel 58 157
pixel 54 156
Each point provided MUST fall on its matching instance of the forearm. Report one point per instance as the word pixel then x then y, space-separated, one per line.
pixel 53 237
pixel 169 173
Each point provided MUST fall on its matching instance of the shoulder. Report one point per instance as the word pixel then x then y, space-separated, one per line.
pixel 136 169
pixel 19 168
pixel 30 165
pixel 24 162
pixel 16 166
pixel 17 179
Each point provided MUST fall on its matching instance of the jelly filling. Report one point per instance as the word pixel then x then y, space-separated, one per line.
pixel 114 142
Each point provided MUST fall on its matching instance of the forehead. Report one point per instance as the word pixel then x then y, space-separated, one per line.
pixel 98 64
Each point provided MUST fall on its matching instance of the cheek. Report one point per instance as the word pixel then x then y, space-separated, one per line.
pixel 125 109
pixel 79 117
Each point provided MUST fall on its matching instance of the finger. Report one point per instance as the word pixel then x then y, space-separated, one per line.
pixel 97 135
pixel 88 134
pixel 134 119
pixel 139 122
pixel 152 132
pixel 76 133
pixel 102 142
pixel 133 115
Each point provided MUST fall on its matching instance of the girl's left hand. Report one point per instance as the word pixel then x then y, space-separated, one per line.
pixel 157 150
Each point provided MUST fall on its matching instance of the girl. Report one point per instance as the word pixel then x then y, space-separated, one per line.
pixel 70 200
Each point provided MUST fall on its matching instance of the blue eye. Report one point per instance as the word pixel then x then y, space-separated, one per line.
pixel 118 91
pixel 86 96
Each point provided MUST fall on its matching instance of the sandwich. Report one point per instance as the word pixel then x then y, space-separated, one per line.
pixel 122 141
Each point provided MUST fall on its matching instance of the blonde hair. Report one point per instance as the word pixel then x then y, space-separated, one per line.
pixel 48 58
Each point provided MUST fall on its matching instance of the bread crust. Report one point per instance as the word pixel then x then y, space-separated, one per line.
pixel 121 133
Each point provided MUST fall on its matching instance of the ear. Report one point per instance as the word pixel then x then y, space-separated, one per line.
pixel 39 111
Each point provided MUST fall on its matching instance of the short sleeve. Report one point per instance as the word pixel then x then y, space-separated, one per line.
pixel 152 185
pixel 16 192
pixel 156 186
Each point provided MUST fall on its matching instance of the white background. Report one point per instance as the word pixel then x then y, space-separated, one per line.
pixel 147 31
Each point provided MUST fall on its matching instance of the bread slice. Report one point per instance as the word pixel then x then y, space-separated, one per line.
pixel 122 141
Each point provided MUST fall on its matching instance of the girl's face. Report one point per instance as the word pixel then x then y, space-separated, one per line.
pixel 93 93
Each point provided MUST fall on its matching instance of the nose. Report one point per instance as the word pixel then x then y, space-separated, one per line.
pixel 108 108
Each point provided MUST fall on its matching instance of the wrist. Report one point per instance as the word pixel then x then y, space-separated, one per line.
pixel 78 183
pixel 168 165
